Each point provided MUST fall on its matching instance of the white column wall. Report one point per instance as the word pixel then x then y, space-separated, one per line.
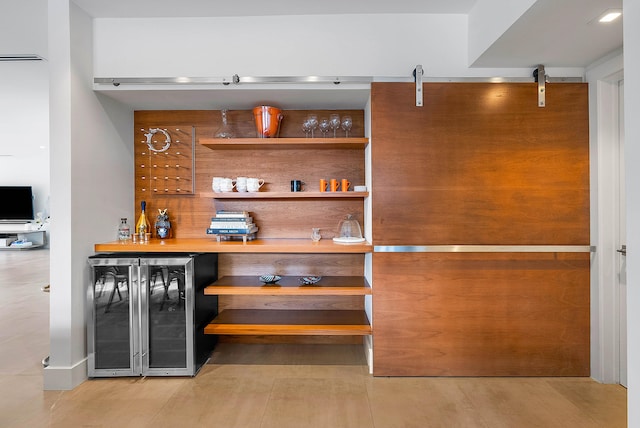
pixel 632 160
pixel 91 176
pixel 60 317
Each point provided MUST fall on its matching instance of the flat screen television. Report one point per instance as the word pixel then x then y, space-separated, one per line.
pixel 16 204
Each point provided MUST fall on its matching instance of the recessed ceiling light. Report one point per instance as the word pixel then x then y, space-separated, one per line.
pixel 610 15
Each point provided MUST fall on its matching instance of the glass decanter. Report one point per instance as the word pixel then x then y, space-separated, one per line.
pixel 225 130
pixel 315 234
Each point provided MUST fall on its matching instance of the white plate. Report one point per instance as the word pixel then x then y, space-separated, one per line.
pixel 348 240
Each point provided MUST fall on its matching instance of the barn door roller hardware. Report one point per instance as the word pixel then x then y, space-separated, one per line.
pixel 542 81
pixel 417 74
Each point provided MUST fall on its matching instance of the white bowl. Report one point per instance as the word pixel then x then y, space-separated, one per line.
pixel 309 280
pixel 270 279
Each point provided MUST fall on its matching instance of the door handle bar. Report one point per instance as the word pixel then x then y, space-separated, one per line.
pixel 484 249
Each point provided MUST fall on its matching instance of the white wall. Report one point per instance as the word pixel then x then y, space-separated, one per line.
pixel 603 129
pixel 24 128
pixel 91 176
pixel 490 19
pixel 24 100
pixel 356 45
pixel 23 27
pixel 632 158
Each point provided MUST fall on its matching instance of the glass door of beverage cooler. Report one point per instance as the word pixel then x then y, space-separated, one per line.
pixel 167 299
pixel 112 333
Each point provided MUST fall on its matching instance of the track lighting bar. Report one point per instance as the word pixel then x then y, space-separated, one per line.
pixel 238 80
pixel 227 80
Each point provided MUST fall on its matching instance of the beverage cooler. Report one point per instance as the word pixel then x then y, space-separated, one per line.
pixel 147 312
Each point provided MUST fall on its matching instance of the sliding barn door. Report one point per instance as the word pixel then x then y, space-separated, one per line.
pixel 481 230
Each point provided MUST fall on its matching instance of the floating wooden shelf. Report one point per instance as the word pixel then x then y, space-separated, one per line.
pixel 284 195
pixel 284 143
pixel 210 245
pixel 290 322
pixel 290 286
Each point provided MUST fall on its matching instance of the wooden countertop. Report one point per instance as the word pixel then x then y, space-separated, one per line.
pixel 210 245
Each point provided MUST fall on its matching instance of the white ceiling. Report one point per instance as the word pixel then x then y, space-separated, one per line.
pixel 556 33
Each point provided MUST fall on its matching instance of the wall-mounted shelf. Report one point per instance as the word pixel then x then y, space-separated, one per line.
pixel 290 286
pixel 284 195
pixel 290 322
pixel 284 143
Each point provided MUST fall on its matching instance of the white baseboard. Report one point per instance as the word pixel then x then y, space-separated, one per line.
pixel 64 378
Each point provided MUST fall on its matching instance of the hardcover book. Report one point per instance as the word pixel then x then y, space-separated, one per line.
pixel 237 231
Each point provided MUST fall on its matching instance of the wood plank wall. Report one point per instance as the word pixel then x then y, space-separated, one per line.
pixel 190 213
pixel 480 164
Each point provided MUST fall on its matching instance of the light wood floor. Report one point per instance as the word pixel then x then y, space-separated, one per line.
pixel 269 386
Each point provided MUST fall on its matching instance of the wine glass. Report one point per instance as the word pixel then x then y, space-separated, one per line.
pixel 313 123
pixel 306 128
pixel 324 126
pixel 334 123
pixel 347 123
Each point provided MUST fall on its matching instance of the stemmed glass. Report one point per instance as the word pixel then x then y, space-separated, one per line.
pixel 306 128
pixel 313 123
pixel 347 123
pixel 334 123
pixel 324 126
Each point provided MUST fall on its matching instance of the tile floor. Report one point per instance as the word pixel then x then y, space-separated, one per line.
pixel 269 385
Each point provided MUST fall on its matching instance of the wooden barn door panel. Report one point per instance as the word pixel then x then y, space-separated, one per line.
pixel 480 164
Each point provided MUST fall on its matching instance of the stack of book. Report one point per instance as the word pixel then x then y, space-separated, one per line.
pixel 233 223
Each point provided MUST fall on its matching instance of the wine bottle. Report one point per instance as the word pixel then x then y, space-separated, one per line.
pixel 143 226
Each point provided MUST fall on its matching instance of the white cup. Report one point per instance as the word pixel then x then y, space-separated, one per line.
pixel 216 183
pixel 254 184
pixel 227 185
pixel 241 184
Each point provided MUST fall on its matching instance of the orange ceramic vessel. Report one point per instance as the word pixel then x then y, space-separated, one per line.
pixel 267 121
